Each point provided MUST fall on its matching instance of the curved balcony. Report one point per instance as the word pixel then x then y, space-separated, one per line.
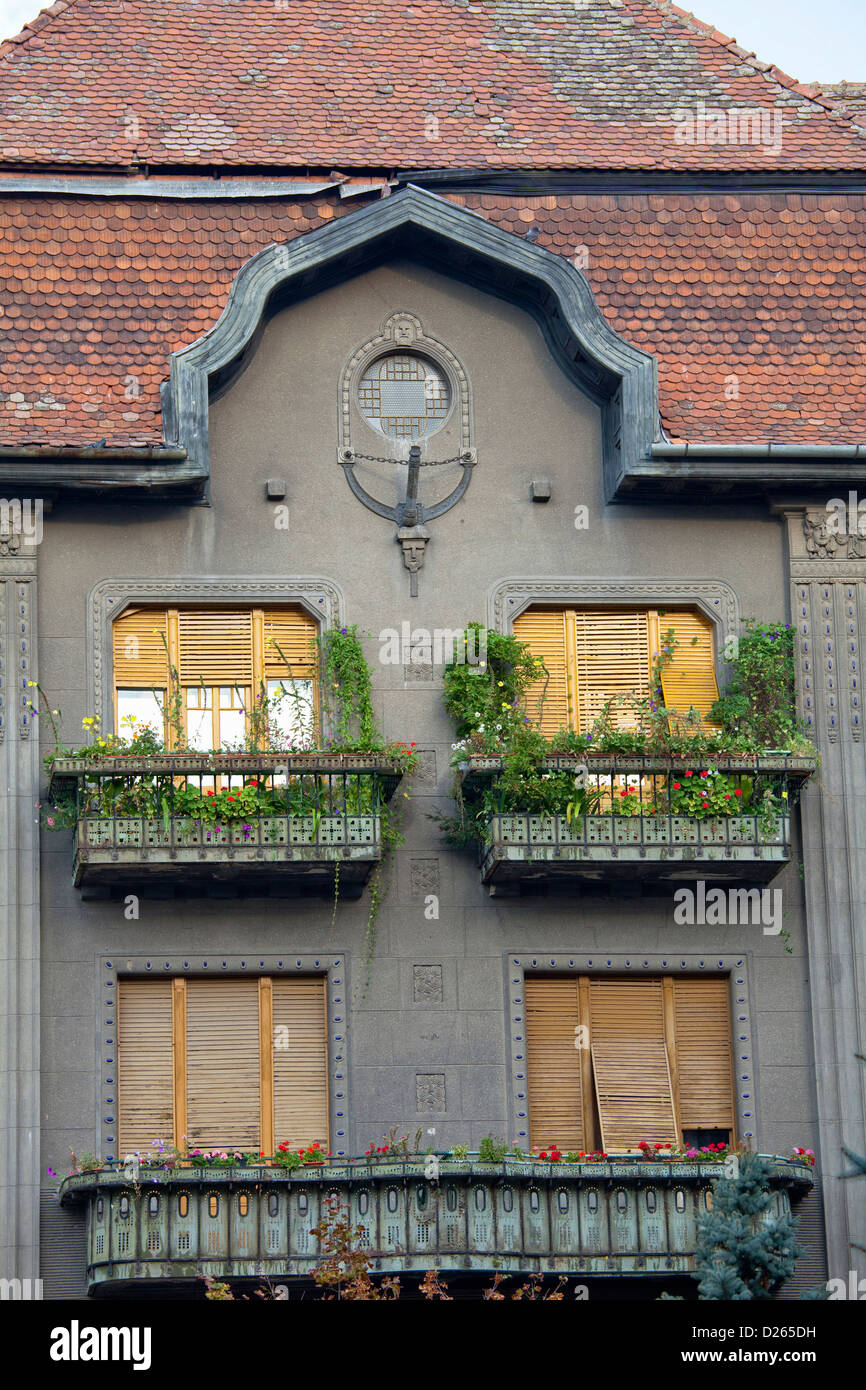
pixel 137 825
pixel 623 1217
pixel 655 836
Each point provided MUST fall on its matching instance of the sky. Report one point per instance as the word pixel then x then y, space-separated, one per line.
pixel 824 42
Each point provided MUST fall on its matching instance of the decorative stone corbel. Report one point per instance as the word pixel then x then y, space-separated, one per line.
pixel 413 540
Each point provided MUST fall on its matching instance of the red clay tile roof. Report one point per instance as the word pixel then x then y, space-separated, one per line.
pixel 755 304
pixel 847 97
pixel 406 84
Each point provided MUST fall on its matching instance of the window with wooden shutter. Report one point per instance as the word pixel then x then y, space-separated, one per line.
pixel 290 650
pixel 216 646
pixel 611 660
pixel 630 1064
pixel 689 680
pixel 704 1054
pixel 555 1062
pixel 300 1062
pixel 654 1058
pixel 224 658
pixel 597 657
pixel 222 1064
pixel 144 1065
pixel 550 701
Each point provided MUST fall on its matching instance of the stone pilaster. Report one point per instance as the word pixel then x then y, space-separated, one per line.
pixel 828 605
pixel 19 915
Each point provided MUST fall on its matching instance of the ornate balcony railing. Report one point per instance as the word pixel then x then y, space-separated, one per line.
pixel 146 820
pixel 618 1217
pixel 640 817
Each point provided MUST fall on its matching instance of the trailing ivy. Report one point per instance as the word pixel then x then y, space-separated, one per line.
pixel 347 689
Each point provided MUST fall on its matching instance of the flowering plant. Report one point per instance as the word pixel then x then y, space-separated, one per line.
pixel 804 1156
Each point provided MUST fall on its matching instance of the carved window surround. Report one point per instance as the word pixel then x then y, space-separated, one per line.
pixel 510 597
pixel 107 600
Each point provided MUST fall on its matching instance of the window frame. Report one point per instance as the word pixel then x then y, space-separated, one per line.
pixel 319 597
pixel 333 966
pixel 736 967
pixel 260 677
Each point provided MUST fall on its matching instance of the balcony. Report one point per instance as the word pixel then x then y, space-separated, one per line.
pixel 620 1217
pixel 226 822
pixel 641 818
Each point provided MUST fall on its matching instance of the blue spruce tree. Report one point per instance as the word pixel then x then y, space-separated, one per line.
pixel 743 1250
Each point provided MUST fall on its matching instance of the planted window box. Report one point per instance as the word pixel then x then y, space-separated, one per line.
pixel 259 819
pixel 639 817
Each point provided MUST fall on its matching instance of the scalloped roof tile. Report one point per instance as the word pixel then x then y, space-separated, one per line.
pixel 754 304
pixel 409 84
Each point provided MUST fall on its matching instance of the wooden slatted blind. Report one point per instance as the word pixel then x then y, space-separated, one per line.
pixel 554 1063
pixel 300 1068
pixel 612 659
pixel 704 1052
pixel 597 655
pixel 216 646
pixel 661 1060
pixel 144 1065
pixel 690 678
pixel 293 631
pixel 545 633
pixel 223 1064
pixel 630 1063
pixel 140 655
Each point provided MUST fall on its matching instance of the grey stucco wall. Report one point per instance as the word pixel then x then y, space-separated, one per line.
pixel 280 419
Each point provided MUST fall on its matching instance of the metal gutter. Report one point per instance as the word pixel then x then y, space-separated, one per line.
pixel 185 189
pixel 830 452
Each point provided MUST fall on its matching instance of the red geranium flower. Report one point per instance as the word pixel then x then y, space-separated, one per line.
pixel 676 786
pixel 738 792
pixel 690 774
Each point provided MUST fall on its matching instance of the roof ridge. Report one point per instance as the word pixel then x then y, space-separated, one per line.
pixel 33 26
pixel 774 73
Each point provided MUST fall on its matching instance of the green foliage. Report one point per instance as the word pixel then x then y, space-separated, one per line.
pixel 759 702
pixel 744 1252
pixel 495 716
pixel 488 701
pixel 347 689
pixel 492 1150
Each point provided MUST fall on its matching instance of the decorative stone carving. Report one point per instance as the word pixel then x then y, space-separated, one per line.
pixel 418 673
pixel 423 877
pixel 414 540
pixel 430 1093
pixel 427 984
pixel 425 773
pixel 823 542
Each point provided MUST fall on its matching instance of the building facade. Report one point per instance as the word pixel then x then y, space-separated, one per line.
pixel 258 285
